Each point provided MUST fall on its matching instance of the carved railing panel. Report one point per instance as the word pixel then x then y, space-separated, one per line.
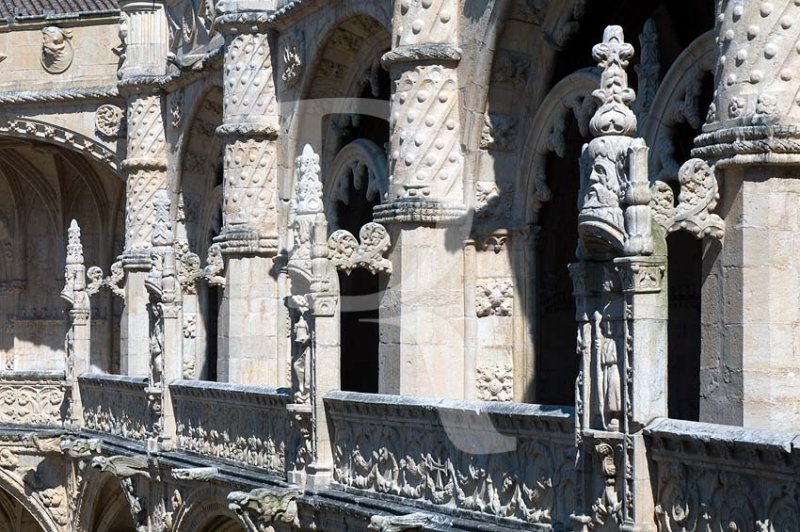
pixel 236 423
pixel 510 461
pixel 33 398
pixel 117 405
pixel 716 477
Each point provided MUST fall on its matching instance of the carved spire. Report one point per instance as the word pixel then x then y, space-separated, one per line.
pixel 308 190
pixel 614 116
pixel 74 245
pixel 162 231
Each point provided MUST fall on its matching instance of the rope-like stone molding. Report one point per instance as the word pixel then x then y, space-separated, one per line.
pixel 58 95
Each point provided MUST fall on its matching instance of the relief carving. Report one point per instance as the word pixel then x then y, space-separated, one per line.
pixel 494 297
pixel 109 121
pixel 57 50
pixel 496 383
pixel 347 254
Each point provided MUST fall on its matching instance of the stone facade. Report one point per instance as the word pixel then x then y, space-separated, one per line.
pixel 399 265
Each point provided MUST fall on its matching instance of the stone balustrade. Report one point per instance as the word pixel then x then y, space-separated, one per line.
pixel 498 460
pixel 117 405
pixel 717 477
pixel 241 424
pixel 36 398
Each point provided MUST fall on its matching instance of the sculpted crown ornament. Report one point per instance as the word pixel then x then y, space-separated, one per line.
pixel 308 190
pixel 615 217
pixel 614 116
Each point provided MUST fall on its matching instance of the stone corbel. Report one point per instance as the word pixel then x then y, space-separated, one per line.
pixel 80 448
pixel 202 474
pixel 347 254
pixel 413 521
pixel 261 508
pixel 123 466
pixel 698 197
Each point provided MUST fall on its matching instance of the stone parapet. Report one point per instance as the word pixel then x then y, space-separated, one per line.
pixel 117 405
pixel 507 461
pixel 246 425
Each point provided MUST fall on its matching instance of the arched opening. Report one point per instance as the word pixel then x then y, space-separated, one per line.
pixel 43 187
pixel 199 222
pixel 111 512
pixel 556 365
pixel 352 154
pixel 221 523
pixel 16 518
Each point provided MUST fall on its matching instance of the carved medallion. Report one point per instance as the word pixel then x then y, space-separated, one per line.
pixel 109 120
pixel 57 50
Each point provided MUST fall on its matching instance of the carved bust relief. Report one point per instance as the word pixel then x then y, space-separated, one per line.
pixel 57 50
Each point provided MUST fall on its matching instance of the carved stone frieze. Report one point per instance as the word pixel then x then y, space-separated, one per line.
pixel 251 428
pixel 28 400
pixel 196 473
pixel 346 253
pixel 524 474
pixel 116 405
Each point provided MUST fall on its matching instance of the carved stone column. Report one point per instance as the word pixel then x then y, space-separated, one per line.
pixel 621 310
pixel 248 345
pixel 143 29
pixel 316 358
pixel 749 312
pixel 78 341
pixel 422 315
pixel 166 331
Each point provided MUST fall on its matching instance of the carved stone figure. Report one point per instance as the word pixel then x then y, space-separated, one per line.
pixel 57 50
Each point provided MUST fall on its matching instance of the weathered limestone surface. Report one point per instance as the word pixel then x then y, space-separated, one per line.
pixel 297 265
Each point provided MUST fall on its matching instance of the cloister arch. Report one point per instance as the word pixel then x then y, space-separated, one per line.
pixel 102 505
pixel 19 503
pixel 206 511
pixel 346 72
pixel 199 221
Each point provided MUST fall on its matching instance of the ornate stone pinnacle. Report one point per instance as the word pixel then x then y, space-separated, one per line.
pixel 308 189
pixel 614 116
pixel 162 230
pixel 74 246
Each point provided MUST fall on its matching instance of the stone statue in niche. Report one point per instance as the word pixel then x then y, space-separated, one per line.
pixel 609 383
pixel 300 365
pixel 57 50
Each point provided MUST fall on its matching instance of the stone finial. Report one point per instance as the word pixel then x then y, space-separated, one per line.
pixel 614 116
pixel 308 189
pixel 74 245
pixel 162 230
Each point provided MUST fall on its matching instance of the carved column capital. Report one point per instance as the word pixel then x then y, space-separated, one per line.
pixel 753 117
pixel 144 34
